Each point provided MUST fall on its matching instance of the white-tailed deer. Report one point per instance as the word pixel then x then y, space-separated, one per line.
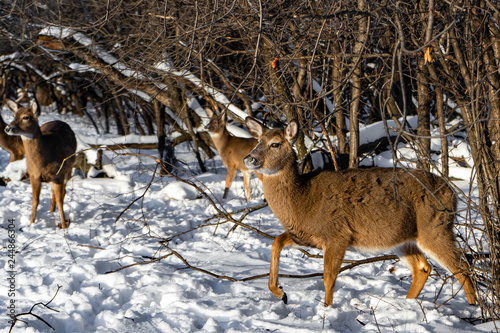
pixel 370 209
pixel 232 150
pixel 49 154
pixel 12 144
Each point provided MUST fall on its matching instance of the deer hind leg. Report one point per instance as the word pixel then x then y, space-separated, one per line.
pixel 332 257
pixel 446 253
pixel 278 244
pixel 36 187
pixel 231 172
pixel 53 201
pixel 58 192
pixel 411 255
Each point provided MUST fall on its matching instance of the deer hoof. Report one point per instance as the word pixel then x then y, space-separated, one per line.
pixel 284 298
pixel 65 226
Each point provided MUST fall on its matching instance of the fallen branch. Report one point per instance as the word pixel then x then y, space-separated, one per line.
pixel 91 247
pixel 139 263
pixel 292 276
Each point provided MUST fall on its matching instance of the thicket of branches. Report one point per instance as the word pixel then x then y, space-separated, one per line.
pixel 143 64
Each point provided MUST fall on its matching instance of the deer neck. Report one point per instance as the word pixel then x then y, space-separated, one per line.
pixel 33 142
pixel 285 193
pixel 221 140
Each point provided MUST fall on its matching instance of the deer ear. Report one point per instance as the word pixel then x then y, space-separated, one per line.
pixel 34 108
pixel 255 128
pixel 12 105
pixel 292 131
pixel 209 112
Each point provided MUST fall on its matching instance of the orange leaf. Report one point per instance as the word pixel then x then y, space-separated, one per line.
pixel 275 61
pixel 427 55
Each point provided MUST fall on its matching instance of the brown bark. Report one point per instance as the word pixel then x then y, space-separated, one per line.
pixel 363 32
pixel 338 101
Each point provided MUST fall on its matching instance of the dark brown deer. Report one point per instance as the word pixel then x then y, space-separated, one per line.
pixel 12 144
pixel 370 209
pixel 49 154
pixel 232 150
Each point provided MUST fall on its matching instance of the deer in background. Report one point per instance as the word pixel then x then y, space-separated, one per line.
pixel 12 144
pixel 232 150
pixel 49 152
pixel 368 209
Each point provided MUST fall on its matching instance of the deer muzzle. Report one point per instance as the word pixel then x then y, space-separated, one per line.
pixel 10 130
pixel 251 162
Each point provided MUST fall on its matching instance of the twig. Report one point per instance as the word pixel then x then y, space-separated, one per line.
pixel 139 197
pixel 224 277
pixel 140 263
pixel 92 247
pixel 30 312
pixel 246 211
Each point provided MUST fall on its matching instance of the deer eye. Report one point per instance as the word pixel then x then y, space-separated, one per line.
pixel 275 145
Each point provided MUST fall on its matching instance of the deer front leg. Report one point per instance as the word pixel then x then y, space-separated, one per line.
pixel 231 172
pixel 259 175
pixel 332 257
pixel 36 187
pixel 247 184
pixel 278 244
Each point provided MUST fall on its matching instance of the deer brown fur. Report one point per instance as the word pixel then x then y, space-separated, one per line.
pixel 49 151
pixel 232 150
pixel 368 209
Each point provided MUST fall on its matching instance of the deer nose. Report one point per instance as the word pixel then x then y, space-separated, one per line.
pixel 251 162
pixel 9 130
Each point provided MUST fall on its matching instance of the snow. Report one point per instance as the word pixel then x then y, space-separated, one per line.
pixel 101 290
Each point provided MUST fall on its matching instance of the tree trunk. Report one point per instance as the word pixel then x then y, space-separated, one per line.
pixel 423 113
pixel 338 102
pixel 357 89
pixel 441 115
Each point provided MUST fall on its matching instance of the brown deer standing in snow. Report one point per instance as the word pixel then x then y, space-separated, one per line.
pixel 49 154
pixel 232 150
pixel 371 209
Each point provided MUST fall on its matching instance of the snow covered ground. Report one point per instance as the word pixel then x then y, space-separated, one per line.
pixel 84 270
